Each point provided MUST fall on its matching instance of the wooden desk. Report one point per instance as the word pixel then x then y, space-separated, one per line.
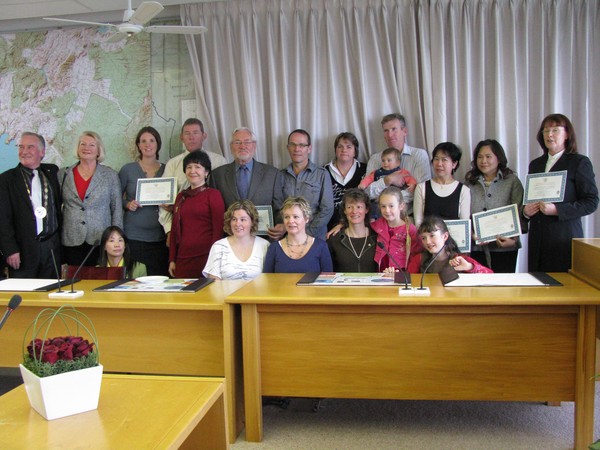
pixel 134 412
pixel 150 333
pixel 518 343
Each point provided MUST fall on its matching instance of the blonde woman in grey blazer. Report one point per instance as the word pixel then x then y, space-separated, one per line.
pixel 91 196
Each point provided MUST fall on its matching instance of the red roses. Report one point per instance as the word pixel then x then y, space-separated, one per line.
pixel 66 348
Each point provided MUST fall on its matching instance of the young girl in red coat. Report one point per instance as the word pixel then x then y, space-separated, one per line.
pixel 437 241
pixel 395 232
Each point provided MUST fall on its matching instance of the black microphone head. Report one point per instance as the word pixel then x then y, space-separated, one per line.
pixel 14 302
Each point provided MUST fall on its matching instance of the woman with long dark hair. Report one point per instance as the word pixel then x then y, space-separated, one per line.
pixel 493 185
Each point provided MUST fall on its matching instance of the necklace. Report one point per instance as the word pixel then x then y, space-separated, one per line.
pixel 358 255
pixel 296 254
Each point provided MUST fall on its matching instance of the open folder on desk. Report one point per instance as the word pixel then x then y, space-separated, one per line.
pixel 503 279
pixel 33 284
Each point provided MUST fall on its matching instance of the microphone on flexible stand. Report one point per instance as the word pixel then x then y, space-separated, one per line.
pixel 405 290
pixel 73 293
pixel 56 270
pixel 425 290
pixel 13 303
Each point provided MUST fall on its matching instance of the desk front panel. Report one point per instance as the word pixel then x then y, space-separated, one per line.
pixel 427 353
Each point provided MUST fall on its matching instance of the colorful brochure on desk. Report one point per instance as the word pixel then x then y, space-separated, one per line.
pixel 348 279
pixel 169 285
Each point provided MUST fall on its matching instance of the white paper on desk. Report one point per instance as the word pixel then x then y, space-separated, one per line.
pixel 25 284
pixel 495 279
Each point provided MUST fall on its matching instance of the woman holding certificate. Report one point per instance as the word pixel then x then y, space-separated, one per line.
pixel 552 225
pixel 494 185
pixel 147 240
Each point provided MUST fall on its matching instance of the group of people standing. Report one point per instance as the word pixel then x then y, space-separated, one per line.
pixel 348 216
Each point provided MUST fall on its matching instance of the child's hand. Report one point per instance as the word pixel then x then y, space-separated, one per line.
pixel 389 272
pixel 411 187
pixel 460 264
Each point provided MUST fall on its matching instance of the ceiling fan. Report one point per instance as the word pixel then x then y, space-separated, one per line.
pixel 133 21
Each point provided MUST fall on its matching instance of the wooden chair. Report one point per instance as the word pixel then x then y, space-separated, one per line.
pixel 94 273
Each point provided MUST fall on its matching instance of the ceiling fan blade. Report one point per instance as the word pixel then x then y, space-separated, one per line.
pixel 56 19
pixel 175 29
pixel 145 12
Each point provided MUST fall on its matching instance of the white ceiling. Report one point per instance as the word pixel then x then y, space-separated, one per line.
pixel 26 15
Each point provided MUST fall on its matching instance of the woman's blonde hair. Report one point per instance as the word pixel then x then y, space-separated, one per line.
pixel 301 203
pixel 99 144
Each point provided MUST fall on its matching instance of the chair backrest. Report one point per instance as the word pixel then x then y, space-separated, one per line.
pixel 95 273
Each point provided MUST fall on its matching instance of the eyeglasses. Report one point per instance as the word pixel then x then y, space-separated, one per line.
pixel 554 130
pixel 238 143
pixel 293 145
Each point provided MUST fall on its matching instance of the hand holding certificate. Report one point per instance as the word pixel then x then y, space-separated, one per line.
pixel 156 191
pixel 497 222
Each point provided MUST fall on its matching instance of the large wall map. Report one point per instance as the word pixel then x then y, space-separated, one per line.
pixel 61 82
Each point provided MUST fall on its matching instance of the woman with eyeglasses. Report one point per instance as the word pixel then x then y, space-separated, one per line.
pixel 553 225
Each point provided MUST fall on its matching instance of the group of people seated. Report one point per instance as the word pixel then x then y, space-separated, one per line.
pixel 383 216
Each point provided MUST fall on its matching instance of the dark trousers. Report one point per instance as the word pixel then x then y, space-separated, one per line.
pixel 154 255
pixel 502 262
pixel 39 263
pixel 74 256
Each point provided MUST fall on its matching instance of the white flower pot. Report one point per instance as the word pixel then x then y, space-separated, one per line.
pixel 64 394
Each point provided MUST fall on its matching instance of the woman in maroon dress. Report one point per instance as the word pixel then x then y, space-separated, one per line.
pixel 197 220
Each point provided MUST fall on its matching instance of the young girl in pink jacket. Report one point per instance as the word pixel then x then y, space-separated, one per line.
pixel 394 230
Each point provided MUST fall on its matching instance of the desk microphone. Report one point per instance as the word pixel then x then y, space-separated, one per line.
pixel 56 271
pixel 13 303
pixel 73 293
pixel 425 290
pixel 405 290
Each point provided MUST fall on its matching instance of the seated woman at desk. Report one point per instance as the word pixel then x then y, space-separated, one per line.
pixel 114 252
pixel 440 250
pixel 353 248
pixel 297 252
pixel 241 255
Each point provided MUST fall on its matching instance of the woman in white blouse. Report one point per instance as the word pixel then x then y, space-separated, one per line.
pixel 239 256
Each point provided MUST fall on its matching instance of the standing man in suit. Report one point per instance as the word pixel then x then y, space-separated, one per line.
pixel 192 136
pixel 303 178
pixel 244 178
pixel 30 217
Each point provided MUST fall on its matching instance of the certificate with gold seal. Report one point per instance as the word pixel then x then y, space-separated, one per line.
pixel 156 191
pixel 545 187
pixel 497 222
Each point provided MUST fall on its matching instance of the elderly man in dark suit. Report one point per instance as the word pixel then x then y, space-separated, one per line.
pixel 244 178
pixel 30 217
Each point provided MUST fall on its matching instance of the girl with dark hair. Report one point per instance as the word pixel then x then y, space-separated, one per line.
pixel 114 252
pixel 494 185
pixel 553 226
pixel 439 244
pixel 443 195
pixel 345 171
pixel 197 219
pixel 147 237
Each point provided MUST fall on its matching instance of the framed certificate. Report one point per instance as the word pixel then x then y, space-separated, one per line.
pixel 503 222
pixel 545 187
pixel 265 218
pixel 460 231
pixel 156 191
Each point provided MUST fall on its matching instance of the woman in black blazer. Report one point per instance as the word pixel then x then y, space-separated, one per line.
pixel 552 226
